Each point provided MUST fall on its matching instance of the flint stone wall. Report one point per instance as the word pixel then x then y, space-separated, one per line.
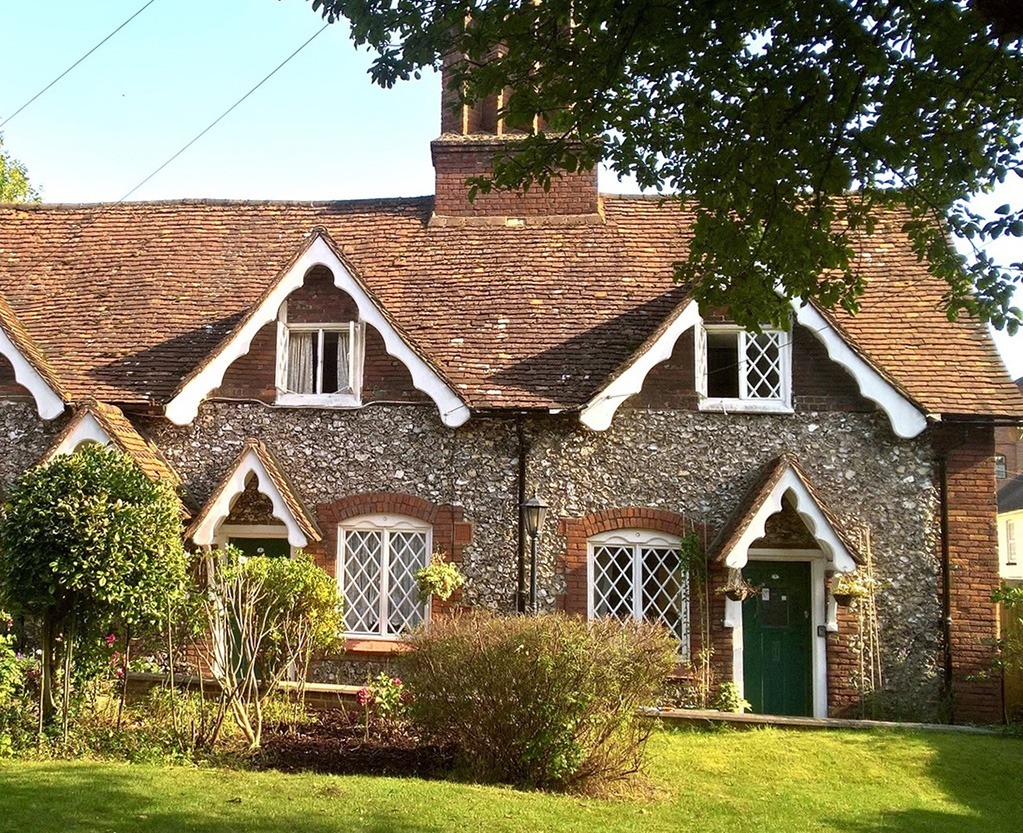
pixel 696 463
pixel 24 438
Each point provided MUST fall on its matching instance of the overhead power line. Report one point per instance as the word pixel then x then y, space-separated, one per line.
pixel 223 115
pixel 11 117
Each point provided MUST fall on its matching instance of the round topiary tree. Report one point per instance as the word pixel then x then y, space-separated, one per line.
pixel 88 540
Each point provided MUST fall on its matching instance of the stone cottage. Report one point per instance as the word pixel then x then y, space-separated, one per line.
pixel 374 381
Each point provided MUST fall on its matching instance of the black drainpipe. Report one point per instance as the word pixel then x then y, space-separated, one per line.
pixel 520 591
pixel 946 587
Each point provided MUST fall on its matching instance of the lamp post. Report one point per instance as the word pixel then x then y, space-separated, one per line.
pixel 533 510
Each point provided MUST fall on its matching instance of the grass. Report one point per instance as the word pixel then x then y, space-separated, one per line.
pixel 765 780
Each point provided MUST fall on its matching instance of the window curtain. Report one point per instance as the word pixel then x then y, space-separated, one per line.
pixel 344 346
pixel 301 364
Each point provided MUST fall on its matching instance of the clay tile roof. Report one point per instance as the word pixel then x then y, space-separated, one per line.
pixel 127 439
pixel 126 301
pixel 280 482
pixel 28 347
pixel 767 479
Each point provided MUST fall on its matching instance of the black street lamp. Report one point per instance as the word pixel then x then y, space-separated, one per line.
pixel 533 510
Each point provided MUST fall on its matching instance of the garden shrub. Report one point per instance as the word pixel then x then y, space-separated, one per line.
pixel 542 701
pixel 88 543
pixel 266 617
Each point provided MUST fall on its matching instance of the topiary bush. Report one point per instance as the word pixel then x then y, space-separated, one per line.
pixel 547 701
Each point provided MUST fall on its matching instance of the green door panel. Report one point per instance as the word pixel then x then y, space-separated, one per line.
pixel 273 547
pixel 777 627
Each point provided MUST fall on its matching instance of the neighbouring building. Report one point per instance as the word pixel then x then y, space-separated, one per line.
pixel 372 381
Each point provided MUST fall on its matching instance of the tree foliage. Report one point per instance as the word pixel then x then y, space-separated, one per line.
pixel 14 184
pixel 791 126
pixel 88 542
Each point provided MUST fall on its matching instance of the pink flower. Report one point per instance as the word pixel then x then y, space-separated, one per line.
pixel 110 638
pixel 115 658
pixel 362 696
pixel 396 682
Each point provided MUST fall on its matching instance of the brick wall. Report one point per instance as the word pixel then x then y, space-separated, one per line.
pixel 973 558
pixel 9 387
pixel 456 159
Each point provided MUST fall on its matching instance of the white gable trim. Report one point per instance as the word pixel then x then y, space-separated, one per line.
pixel 48 403
pixel 836 555
pixel 600 410
pixel 205 533
pixel 182 409
pixel 906 419
pixel 87 429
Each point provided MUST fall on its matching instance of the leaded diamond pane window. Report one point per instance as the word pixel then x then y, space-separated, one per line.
pixel 739 367
pixel 380 556
pixel 635 574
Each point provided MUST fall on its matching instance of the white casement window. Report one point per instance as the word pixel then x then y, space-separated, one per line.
pixel 1010 543
pixel 738 370
pixel 638 574
pixel 319 364
pixel 1001 467
pixel 378 558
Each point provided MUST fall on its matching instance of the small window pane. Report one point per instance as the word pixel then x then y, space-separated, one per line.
pixel 612 582
pixel 406 556
pixel 330 350
pixel 302 349
pixel 723 365
pixel 363 555
pixel 663 587
pixel 763 366
pixel 1001 469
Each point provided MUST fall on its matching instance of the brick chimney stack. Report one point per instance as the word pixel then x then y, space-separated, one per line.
pixel 470 139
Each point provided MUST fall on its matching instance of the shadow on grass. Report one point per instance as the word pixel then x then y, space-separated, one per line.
pixel 63 798
pixel 979 774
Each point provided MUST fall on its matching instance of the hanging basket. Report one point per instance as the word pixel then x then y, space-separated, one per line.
pixel 738 594
pixel 843 599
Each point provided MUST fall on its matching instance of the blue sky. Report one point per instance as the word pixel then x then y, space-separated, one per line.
pixel 317 130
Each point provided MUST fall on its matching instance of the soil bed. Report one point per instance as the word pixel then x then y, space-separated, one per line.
pixel 334 742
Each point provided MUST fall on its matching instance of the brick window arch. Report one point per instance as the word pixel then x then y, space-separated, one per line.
pixel 578 531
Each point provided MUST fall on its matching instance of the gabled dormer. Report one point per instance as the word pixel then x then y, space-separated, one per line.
pixel 305 343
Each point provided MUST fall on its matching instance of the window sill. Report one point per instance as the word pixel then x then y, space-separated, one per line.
pixel 371 645
pixel 317 400
pixel 744 406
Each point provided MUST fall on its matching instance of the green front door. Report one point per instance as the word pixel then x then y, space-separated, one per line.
pixel 273 547
pixel 777 665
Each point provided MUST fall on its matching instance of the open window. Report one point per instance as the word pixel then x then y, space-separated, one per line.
pixel 739 370
pixel 319 364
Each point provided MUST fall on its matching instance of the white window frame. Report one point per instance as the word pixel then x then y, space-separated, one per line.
pixel 637 539
pixel 356 360
pixel 385 524
pixel 743 402
pixel 1010 542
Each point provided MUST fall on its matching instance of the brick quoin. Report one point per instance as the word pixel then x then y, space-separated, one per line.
pixel 973 561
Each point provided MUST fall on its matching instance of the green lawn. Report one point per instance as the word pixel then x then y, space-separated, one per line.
pixel 763 780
